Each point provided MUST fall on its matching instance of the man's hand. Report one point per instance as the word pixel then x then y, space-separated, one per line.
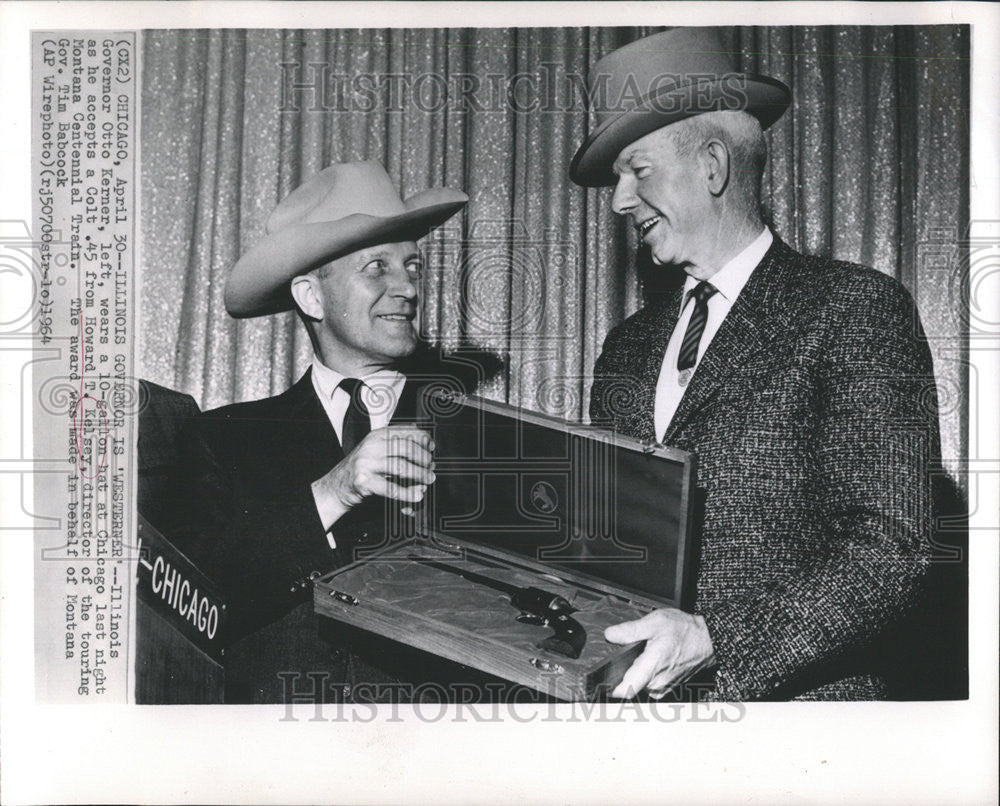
pixel 677 646
pixel 394 462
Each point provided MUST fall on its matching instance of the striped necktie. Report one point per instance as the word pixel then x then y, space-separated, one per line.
pixel 357 421
pixel 688 355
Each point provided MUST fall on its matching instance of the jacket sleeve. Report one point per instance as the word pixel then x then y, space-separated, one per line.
pixel 259 546
pixel 875 441
pixel 609 387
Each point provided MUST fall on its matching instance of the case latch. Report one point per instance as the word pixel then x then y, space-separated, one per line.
pixel 650 445
pixel 346 598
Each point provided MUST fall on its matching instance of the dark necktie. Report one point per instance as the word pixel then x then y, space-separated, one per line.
pixel 357 422
pixel 688 355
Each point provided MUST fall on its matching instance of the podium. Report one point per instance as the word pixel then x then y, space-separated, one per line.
pixel 186 652
pixel 180 627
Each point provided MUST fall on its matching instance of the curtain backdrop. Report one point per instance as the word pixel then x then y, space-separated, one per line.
pixel 870 164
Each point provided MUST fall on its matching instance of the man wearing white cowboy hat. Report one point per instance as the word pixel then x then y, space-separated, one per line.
pixel 284 489
pixel 804 386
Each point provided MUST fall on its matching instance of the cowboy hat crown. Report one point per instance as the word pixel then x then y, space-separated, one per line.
pixel 342 209
pixel 662 79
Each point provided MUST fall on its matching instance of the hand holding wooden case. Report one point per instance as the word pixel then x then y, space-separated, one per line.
pixel 524 501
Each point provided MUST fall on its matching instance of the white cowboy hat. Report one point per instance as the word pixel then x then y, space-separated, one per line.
pixel 342 209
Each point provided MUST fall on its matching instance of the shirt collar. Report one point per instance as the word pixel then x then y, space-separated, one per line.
pixel 327 380
pixel 730 279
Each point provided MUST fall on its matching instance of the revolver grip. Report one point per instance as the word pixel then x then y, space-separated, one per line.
pixel 553 611
pixel 569 638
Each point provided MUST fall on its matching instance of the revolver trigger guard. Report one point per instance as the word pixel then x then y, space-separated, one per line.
pixel 531 618
pixel 558 646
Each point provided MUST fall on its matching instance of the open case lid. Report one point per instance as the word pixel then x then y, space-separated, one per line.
pixel 567 495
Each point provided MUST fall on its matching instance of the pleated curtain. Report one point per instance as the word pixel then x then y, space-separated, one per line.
pixel 870 164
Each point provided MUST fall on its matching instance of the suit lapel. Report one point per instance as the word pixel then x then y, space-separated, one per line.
pixel 753 321
pixel 406 408
pixel 649 370
pixel 310 434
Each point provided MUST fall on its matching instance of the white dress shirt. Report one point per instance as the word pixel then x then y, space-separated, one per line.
pixel 728 282
pixel 380 395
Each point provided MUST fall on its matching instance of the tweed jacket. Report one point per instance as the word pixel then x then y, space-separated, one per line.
pixel 813 415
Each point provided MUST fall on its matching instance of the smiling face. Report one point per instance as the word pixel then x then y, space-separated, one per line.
pixel 661 188
pixel 366 304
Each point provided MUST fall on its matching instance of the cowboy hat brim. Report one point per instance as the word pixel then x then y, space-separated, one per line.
pixel 259 282
pixel 763 97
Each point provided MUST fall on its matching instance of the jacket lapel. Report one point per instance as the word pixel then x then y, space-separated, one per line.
pixel 406 408
pixel 310 434
pixel 648 371
pixel 753 321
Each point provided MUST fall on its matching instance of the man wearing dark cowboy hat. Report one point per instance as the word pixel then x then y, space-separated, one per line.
pixel 804 386
pixel 284 489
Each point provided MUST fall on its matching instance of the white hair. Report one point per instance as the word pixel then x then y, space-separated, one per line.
pixel 742 135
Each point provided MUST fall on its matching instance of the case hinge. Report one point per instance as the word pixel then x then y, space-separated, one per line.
pixel 546 665
pixel 346 598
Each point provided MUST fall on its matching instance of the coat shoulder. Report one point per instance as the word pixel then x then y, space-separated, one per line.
pixel 638 325
pixel 248 422
pixel 246 412
pixel 466 371
pixel 160 400
pixel 854 310
pixel 823 278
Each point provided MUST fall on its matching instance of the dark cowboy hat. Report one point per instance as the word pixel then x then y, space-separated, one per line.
pixel 342 209
pixel 662 79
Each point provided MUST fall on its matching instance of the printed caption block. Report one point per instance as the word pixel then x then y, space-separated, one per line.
pixel 84 395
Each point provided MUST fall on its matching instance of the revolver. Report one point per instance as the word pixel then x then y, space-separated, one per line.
pixel 537 606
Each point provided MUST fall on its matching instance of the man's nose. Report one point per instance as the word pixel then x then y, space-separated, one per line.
pixel 624 198
pixel 403 284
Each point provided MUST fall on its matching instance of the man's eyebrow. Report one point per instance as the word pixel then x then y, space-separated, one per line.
pixel 625 159
pixel 379 252
pixel 385 253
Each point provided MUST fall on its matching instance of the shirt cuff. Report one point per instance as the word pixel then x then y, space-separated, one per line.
pixel 329 510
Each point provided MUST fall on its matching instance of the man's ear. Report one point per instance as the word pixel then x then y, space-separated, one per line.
pixel 308 296
pixel 717 166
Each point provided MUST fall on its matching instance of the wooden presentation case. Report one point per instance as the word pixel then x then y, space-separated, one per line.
pixel 605 521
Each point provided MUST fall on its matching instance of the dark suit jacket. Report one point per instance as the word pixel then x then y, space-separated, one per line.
pixel 162 414
pixel 814 418
pixel 250 522
pixel 247 519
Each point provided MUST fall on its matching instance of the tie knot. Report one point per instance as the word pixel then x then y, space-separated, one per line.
pixel 353 387
pixel 702 292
